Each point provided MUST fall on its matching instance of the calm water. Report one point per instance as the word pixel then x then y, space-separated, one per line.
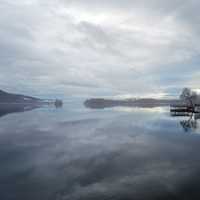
pixel 75 153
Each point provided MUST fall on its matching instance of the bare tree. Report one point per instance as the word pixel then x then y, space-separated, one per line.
pixel 189 97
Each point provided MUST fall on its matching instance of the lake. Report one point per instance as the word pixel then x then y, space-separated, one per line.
pixel 76 153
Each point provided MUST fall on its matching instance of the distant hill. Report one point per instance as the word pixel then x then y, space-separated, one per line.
pixel 99 103
pixel 6 97
pixel 13 103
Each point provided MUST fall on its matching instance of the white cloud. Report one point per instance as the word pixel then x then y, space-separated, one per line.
pixel 123 46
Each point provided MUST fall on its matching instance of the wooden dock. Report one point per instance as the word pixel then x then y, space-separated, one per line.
pixel 184 110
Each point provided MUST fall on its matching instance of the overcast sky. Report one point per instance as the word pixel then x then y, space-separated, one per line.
pixel 92 47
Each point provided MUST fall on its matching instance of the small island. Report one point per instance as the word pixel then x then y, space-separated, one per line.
pixel 188 99
pixel 100 103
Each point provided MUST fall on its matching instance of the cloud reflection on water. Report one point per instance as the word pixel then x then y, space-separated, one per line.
pixel 121 156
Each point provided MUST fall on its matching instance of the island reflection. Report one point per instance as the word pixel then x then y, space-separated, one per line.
pixel 6 108
pixel 9 108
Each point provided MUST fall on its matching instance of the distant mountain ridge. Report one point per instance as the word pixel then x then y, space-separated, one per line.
pixel 6 97
pixel 14 103
pixel 99 103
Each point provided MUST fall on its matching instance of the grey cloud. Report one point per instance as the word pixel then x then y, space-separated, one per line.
pixel 75 84
pixel 114 45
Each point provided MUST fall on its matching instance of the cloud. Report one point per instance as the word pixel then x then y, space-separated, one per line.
pixel 116 45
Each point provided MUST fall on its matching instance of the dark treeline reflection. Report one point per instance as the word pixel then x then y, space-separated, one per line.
pixel 15 108
pixel 191 123
pixel 9 108
pixel 78 154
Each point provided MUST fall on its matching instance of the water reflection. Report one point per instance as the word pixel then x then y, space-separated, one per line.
pixel 78 154
pixel 9 108
pixel 190 124
pixel 16 108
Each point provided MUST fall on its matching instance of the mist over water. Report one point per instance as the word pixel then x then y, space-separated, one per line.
pixel 74 153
